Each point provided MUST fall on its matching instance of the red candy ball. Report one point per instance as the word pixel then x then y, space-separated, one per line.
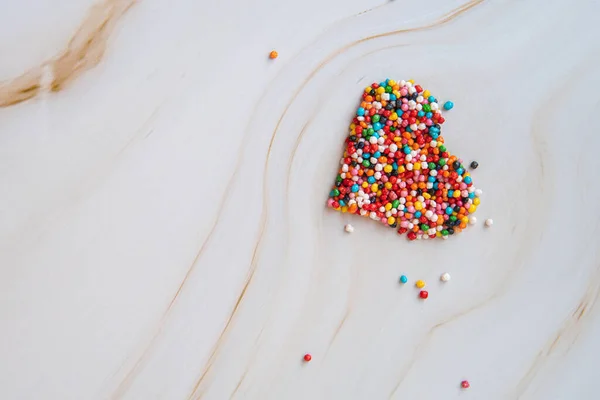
pixel 307 357
pixel 423 294
pixel 465 384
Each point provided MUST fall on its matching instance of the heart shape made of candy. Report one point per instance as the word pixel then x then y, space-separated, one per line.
pixel 396 168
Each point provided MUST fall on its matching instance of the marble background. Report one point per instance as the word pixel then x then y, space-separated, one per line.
pixel 163 233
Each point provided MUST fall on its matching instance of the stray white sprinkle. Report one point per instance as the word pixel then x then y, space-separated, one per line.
pixel 349 228
pixel 445 277
pixel 489 222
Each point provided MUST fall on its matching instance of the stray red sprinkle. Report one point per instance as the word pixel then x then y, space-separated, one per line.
pixel 423 294
pixel 307 357
pixel 465 384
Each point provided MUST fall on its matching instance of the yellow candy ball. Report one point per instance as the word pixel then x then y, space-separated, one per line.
pixel 420 284
pixel 391 220
pixel 476 201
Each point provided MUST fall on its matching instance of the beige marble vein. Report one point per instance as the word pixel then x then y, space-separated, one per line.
pixel 84 51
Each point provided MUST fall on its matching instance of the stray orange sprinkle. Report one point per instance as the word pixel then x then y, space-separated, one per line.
pixel 273 55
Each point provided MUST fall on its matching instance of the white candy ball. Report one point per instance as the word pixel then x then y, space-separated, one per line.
pixel 349 228
pixel 445 277
pixel 473 220
pixel 489 222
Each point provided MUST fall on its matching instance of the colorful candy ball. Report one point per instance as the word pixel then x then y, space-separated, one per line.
pixel 396 168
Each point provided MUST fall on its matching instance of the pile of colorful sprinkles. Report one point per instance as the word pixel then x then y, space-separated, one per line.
pixel 396 168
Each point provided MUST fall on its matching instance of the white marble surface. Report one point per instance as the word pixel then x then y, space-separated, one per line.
pixel 163 233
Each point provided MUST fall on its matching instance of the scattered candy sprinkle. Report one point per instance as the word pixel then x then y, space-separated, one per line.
pixel 445 277
pixel 423 294
pixel 489 222
pixel 420 284
pixel 307 357
pixel 349 228
pixel 473 220
pixel 273 55
pixel 403 279
pixel 396 168
pixel 448 105
pixel 465 384
pixel 474 164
